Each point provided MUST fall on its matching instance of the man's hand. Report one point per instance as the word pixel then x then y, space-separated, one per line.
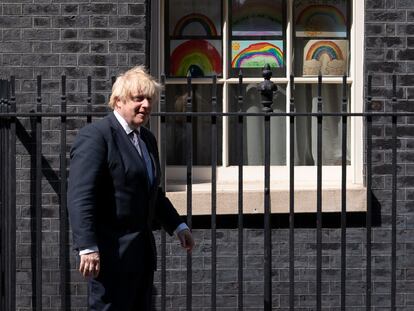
pixel 186 239
pixel 90 264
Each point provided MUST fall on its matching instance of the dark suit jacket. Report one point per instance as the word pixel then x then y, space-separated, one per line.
pixel 110 201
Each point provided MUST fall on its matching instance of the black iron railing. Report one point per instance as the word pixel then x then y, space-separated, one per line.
pixel 9 118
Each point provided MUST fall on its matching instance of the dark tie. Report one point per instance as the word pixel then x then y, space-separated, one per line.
pixel 143 152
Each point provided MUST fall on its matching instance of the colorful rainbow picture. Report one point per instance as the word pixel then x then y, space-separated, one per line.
pixel 321 20
pixel 195 24
pixel 326 56
pixel 200 57
pixel 255 54
pixel 251 15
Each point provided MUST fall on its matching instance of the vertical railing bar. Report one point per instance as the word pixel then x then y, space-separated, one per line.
pixel 267 225
pixel 189 147
pixel 38 193
pixel 213 195
pixel 63 237
pixel 343 194
pixel 319 202
pixel 163 184
pixel 12 202
pixel 394 196
pixel 89 100
pixel 369 203
pixel 6 187
pixel 240 138
pixel 3 181
pixel 292 197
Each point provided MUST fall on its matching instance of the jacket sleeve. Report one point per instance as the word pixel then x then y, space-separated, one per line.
pixel 87 163
pixel 166 214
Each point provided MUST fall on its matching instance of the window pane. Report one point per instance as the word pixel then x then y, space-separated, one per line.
pixel 176 99
pixel 323 18
pixel 321 37
pixel 257 18
pixel 306 127
pixel 257 37
pixel 253 127
pixel 194 38
pixel 194 18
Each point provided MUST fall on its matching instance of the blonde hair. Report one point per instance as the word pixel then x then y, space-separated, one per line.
pixel 134 80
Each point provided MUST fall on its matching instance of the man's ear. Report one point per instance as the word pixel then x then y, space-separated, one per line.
pixel 118 102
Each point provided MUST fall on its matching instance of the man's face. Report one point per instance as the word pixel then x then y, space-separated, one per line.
pixel 134 109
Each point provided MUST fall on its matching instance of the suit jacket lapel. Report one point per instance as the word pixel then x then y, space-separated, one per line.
pixel 153 154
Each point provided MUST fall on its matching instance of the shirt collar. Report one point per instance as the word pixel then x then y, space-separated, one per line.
pixel 124 123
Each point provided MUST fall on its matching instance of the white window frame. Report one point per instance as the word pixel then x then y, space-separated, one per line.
pixel 279 174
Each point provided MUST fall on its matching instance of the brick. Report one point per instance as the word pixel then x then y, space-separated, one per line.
pixel 12 34
pixel 136 34
pixel 136 9
pixel 99 47
pixel 98 9
pixel 381 42
pixel 70 47
pixel 42 22
pixel 15 22
pixel 70 9
pixel 45 60
pixel 99 21
pixel 98 34
pixel 388 16
pixel 71 34
pixel 12 9
pixel 70 22
pixel 401 4
pixel 407 54
pixel 15 47
pixel 126 47
pixel 374 29
pixel 97 60
pixel 41 9
pixel 40 34
pixel 126 21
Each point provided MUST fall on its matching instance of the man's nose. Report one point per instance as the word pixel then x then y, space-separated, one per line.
pixel 145 103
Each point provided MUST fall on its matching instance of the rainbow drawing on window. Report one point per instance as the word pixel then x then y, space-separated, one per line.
pixel 321 20
pixel 200 57
pixel 254 54
pixel 190 24
pixel 254 18
pixel 327 57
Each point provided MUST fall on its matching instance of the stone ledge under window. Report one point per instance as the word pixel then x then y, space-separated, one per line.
pixel 253 198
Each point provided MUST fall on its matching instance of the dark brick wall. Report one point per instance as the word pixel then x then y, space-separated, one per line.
pixel 82 37
pixel 50 38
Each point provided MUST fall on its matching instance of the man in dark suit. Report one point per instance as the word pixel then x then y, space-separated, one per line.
pixel 114 198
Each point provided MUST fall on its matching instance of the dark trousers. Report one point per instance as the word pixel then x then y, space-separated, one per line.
pixel 123 286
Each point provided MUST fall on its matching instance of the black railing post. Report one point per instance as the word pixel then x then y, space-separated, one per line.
pixel 12 199
pixel 3 181
pixel 89 99
pixel 394 195
pixel 343 193
pixel 189 146
pixel 213 195
pixel 63 223
pixel 292 197
pixel 267 88
pixel 319 200
pixel 38 193
pixel 163 185
pixel 369 193
pixel 240 138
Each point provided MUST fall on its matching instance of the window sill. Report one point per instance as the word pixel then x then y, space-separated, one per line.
pixel 253 198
